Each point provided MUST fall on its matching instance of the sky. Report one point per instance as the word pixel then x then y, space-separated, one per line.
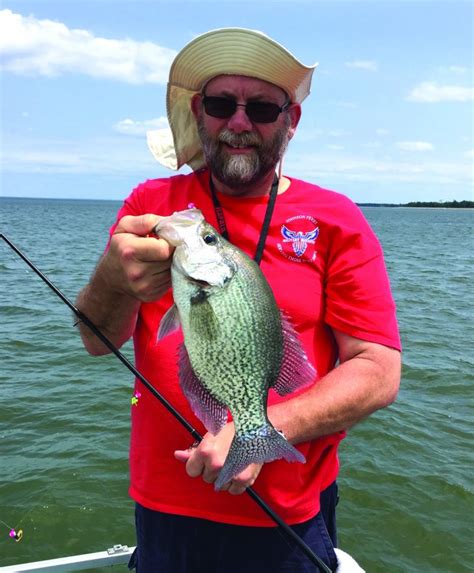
pixel 389 118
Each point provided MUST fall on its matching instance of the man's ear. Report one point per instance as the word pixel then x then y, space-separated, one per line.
pixel 196 106
pixel 294 111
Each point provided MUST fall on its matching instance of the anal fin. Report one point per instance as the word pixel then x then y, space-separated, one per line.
pixel 211 412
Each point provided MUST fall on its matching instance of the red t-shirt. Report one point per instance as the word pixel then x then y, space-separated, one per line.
pixel 337 279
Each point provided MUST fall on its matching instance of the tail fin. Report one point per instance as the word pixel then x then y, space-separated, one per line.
pixel 264 444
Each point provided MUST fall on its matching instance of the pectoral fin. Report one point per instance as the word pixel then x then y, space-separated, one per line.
pixel 169 323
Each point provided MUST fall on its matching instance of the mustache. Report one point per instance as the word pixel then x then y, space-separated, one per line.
pixel 246 138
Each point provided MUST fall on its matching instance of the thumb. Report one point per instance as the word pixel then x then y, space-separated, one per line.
pixel 140 225
pixel 183 455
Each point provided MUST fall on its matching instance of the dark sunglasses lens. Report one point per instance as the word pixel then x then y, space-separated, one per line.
pixel 220 107
pixel 262 112
pixel 257 111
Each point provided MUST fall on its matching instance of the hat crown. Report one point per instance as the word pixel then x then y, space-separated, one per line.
pixel 242 52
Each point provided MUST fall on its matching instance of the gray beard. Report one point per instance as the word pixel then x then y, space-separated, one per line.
pixel 240 171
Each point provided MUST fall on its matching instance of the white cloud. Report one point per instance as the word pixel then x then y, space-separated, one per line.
pixel 368 65
pixel 454 69
pixel 382 131
pixel 306 134
pixel 338 133
pixel 415 146
pixel 431 92
pixel 45 161
pixel 104 156
pixel 139 128
pixel 470 153
pixel 372 145
pixel 30 46
pixel 339 167
pixel 346 104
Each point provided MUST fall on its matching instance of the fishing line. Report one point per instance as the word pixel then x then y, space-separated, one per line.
pixel 195 434
pixel 15 532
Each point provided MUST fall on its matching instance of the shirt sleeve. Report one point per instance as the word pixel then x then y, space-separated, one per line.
pixel 359 301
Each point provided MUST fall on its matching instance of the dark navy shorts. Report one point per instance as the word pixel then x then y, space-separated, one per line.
pixel 175 544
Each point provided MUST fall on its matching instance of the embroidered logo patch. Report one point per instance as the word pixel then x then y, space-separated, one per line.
pixel 299 236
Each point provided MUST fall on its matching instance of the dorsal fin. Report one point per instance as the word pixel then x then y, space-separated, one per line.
pixel 296 370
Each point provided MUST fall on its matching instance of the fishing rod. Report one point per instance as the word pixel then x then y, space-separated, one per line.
pixel 194 433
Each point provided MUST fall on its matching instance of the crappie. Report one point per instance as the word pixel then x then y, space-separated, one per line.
pixel 237 344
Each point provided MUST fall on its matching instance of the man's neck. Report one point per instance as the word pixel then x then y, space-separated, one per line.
pixel 257 189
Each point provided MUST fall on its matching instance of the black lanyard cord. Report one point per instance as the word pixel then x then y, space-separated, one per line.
pixel 266 222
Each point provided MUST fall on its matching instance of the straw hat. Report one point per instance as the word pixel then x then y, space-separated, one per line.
pixel 223 51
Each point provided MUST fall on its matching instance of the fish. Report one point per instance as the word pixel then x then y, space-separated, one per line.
pixel 237 343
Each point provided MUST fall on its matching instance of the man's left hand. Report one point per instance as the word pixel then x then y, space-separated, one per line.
pixel 207 458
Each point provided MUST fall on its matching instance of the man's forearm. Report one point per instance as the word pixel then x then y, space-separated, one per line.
pixel 345 396
pixel 113 312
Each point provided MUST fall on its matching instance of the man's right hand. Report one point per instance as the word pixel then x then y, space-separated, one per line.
pixel 135 269
pixel 138 264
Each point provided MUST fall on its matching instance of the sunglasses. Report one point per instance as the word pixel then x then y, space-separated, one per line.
pixel 257 111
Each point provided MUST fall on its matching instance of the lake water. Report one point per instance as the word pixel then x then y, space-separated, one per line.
pixel 406 479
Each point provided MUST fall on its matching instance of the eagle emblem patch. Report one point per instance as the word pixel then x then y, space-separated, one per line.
pixel 299 237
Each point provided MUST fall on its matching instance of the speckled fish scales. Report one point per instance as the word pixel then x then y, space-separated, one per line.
pixel 237 343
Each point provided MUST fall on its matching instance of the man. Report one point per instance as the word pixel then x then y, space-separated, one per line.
pixel 234 101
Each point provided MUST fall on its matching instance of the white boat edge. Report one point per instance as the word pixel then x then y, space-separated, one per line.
pixel 116 555
pixel 120 554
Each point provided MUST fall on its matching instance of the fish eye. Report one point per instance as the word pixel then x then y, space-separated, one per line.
pixel 210 239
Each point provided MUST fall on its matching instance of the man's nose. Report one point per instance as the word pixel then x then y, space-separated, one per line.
pixel 239 121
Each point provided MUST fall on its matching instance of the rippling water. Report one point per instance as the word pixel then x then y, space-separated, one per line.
pixel 406 486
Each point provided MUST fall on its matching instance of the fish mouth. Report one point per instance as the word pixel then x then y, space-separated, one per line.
pixel 199 283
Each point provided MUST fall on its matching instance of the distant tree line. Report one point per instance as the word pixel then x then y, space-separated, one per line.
pixel 450 204
pixel 442 204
